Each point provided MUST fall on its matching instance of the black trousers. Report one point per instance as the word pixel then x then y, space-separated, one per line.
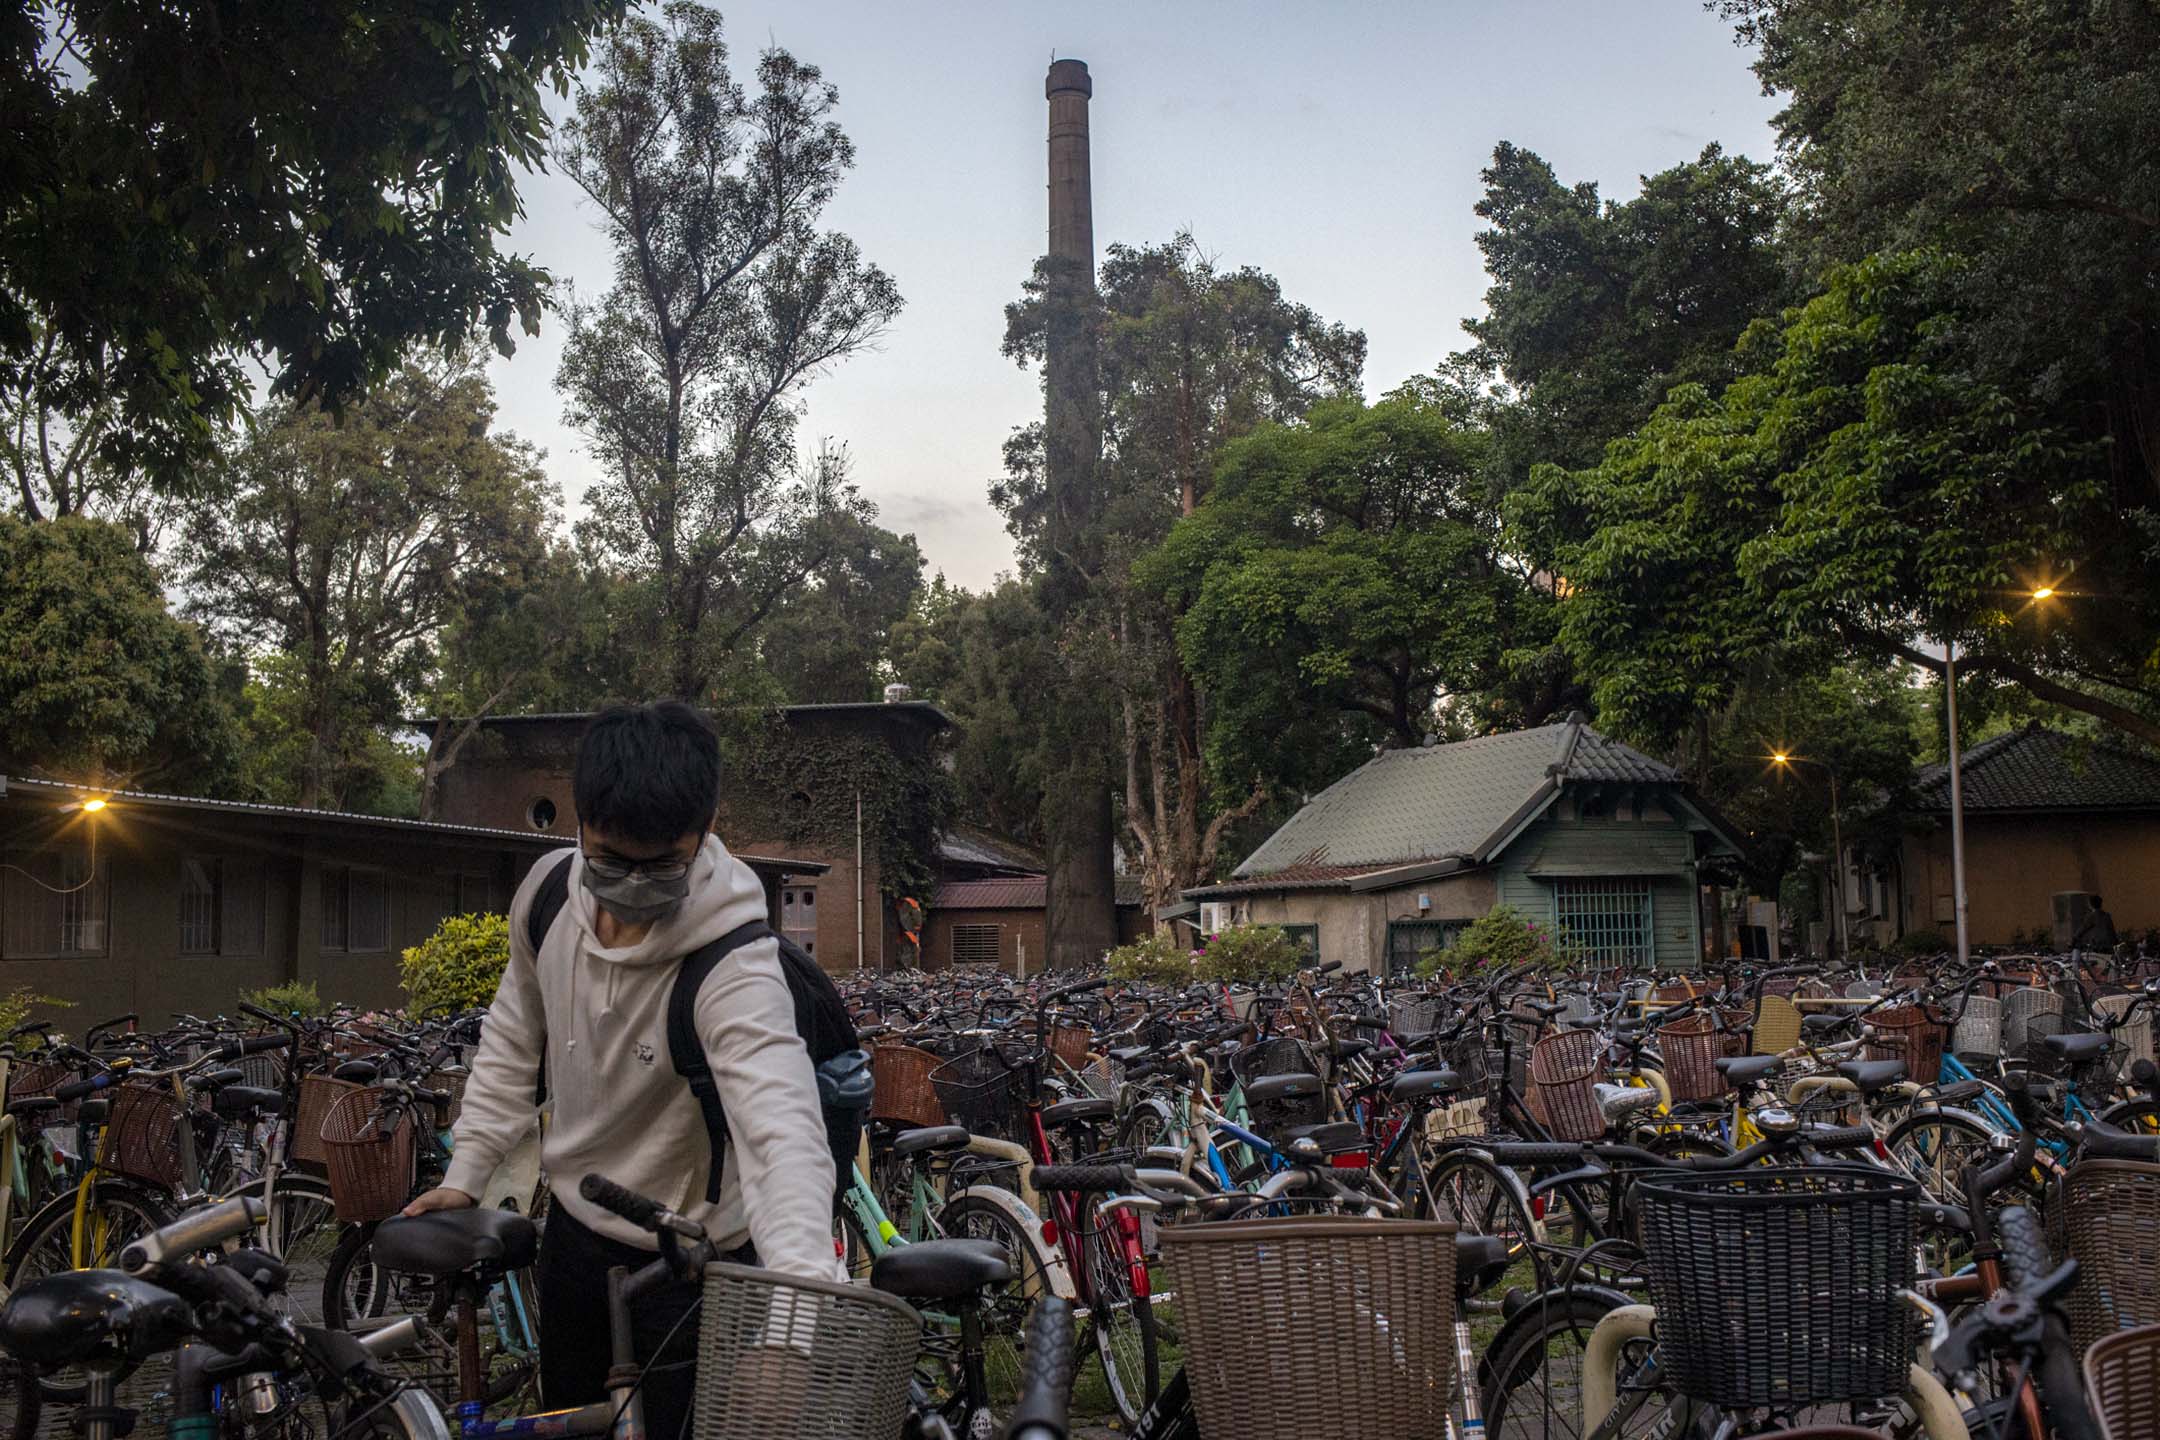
pixel 575 1342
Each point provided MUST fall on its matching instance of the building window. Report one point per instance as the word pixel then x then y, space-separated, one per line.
pixel 1604 922
pixel 975 944
pixel 221 906
pixel 199 893
pixel 798 916
pixel 52 904
pixel 1307 939
pixel 1410 941
pixel 355 910
pixel 541 814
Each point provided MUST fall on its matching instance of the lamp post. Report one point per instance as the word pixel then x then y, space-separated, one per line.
pixel 1837 844
pixel 1957 804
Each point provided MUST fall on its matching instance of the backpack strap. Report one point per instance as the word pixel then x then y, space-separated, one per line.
pixel 686 1050
pixel 548 900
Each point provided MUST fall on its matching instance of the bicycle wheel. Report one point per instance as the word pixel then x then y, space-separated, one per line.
pixel 851 1245
pixel 358 1294
pixel 2139 1117
pixel 1934 1149
pixel 115 1215
pixel 1479 1197
pixel 1123 1322
pixel 1004 1311
pixel 1531 1388
pixel 302 1231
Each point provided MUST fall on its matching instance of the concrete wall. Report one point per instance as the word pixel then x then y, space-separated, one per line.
pixel 2015 863
pixel 1353 927
pixel 1020 932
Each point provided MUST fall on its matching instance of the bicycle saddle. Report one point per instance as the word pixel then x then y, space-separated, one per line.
pixel 1270 1088
pixel 1824 1024
pixel 34 1105
pixel 1416 1084
pixel 1869 1076
pixel 940 1269
pixel 1747 1069
pixel 82 1315
pixel 1480 1262
pixel 930 1137
pixel 1336 1137
pixel 1085 1111
pixel 2077 1049
pixel 450 1242
pixel 248 1100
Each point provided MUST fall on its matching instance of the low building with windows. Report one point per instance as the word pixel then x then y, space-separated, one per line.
pixel 1594 838
pixel 120 902
pixel 1001 922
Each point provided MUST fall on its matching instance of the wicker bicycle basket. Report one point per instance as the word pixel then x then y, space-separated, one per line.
pixel 317 1094
pixel 980 1092
pixel 2106 1216
pixel 1691 1048
pixel 2122 1374
pixel 780 1358
pixel 901 1089
pixel 142 1135
pixel 1779 1287
pixel 1413 1014
pixel 1911 1033
pixel 1071 1043
pixel 1373 1299
pixel 1563 1084
pixel 29 1079
pixel 368 1149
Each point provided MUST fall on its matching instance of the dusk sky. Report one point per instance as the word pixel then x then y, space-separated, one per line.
pixel 1336 146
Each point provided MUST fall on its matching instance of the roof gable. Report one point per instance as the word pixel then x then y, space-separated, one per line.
pixel 2037 769
pixel 1466 799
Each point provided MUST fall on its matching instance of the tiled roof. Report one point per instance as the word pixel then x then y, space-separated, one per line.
pixel 2040 769
pixel 1014 892
pixel 1297 877
pixel 1404 806
pixel 125 798
pixel 967 845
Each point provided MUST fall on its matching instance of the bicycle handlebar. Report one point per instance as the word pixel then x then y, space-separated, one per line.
pixel 253 1045
pixel 195 1232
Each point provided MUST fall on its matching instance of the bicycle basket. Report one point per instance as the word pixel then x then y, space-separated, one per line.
pixel 1563 1084
pixel 1691 1048
pixel 780 1357
pixel 2122 1373
pixel 142 1135
pixel 901 1092
pixel 29 1079
pixel 2019 1009
pixel 1413 1014
pixel 1979 1031
pixel 2107 1218
pixel 1779 1287
pixel 1281 1055
pixel 368 1150
pixel 1380 1292
pixel 980 1093
pixel 317 1094
pixel 2040 1061
pixel 1071 1043
pixel 2134 1038
pixel 1911 1033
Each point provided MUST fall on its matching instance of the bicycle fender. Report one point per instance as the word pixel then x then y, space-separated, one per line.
pixel 1601 1359
pixel 1055 1271
pixel 1604 1295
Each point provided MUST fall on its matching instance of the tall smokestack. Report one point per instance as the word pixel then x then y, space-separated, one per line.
pixel 1078 820
pixel 1072 200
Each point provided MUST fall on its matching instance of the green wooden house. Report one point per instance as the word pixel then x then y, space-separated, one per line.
pixel 1605 843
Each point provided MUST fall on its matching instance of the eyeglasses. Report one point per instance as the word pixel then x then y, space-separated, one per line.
pixel 609 869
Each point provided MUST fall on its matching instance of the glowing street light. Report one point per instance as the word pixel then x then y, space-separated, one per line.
pixel 2043 592
pixel 94 804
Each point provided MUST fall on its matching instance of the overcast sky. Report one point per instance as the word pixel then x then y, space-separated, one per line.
pixel 1336 145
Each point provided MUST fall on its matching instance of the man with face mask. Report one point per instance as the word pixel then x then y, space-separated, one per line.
pixel 648 884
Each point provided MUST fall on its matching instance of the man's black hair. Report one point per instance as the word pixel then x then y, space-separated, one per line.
pixel 650 773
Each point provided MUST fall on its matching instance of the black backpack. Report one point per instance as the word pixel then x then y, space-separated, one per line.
pixel 821 1018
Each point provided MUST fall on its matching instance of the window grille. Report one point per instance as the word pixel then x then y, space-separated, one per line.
pixel 1604 921
pixel 50 906
pixel 198 905
pixel 1307 938
pixel 241 893
pixel 370 911
pixel 975 944
pixel 1410 941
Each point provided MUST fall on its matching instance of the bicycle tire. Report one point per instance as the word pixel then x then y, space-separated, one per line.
pixel 1122 1323
pixel 2025 1258
pixel 1933 1148
pixel 355 1289
pixel 1004 1312
pixel 2139 1117
pixel 120 1212
pixel 302 1231
pixel 1479 1197
pixel 1531 1387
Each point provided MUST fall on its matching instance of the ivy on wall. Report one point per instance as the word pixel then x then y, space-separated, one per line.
pixel 801 783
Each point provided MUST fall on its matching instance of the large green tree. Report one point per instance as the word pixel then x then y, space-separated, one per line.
pixel 1865 486
pixel 351 546
pixel 686 375
pixel 186 188
pixel 1344 585
pixel 99 682
pixel 826 642
pixel 1187 356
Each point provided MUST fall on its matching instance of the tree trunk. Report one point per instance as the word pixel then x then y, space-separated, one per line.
pixel 1082 900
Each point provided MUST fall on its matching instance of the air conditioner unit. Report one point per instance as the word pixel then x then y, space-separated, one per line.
pixel 1216 916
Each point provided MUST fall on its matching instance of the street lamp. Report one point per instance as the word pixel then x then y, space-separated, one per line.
pixel 1837 844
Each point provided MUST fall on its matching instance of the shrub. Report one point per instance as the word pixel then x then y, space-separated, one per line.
pixel 1502 938
pixel 16 1004
pixel 294 997
pixel 1919 942
pixel 1152 960
pixel 458 967
pixel 1251 955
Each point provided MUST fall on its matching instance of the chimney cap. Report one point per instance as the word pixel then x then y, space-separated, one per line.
pixel 1068 75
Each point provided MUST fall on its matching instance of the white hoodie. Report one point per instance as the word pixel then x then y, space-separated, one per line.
pixel 619 1107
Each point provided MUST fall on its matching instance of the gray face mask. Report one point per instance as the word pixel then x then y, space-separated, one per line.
pixel 637 898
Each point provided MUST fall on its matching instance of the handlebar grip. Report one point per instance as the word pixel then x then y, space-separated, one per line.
pixel 1046 1374
pixel 630 1205
pixel 271 1016
pixel 76 1089
pixel 196 1231
pixel 1066 992
pixel 1848 1137
pixel 115 1023
pixel 253 1045
pixel 1534 1152
pixel 1328 967
pixel 1088 1179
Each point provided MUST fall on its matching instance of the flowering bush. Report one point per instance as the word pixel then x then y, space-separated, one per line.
pixel 1152 960
pixel 458 967
pixel 1251 955
pixel 1502 938
pixel 294 997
